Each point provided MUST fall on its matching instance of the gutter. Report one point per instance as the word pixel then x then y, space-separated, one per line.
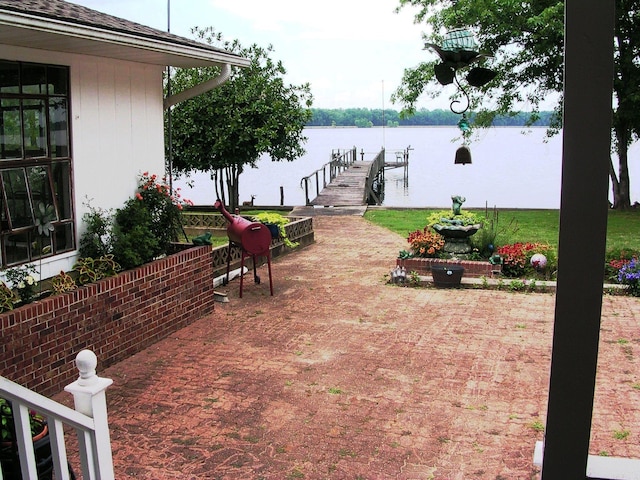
pixel 189 93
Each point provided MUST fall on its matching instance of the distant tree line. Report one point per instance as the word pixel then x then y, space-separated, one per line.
pixel 364 117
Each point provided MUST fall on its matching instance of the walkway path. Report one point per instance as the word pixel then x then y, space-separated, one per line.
pixel 341 376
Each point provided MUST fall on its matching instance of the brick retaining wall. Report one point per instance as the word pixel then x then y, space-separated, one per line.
pixel 471 268
pixel 115 317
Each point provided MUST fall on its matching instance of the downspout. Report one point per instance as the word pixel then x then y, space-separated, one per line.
pixel 200 88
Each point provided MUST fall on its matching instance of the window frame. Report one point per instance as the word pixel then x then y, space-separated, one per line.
pixel 43 169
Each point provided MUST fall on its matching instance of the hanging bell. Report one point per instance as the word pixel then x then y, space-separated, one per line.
pixel 463 156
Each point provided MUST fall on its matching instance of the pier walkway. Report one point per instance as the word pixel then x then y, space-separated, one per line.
pixel 349 181
pixel 346 181
pixel 346 189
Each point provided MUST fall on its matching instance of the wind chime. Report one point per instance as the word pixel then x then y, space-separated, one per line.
pixel 459 51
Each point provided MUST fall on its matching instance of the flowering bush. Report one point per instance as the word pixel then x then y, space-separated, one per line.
pixel 425 243
pixel 616 259
pixel 24 281
pixel 145 226
pixel 629 275
pixel 516 258
pixel 164 206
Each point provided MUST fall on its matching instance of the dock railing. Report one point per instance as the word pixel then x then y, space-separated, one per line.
pixel 89 419
pixel 375 175
pixel 340 161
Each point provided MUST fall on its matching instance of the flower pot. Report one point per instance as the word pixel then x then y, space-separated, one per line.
pixel 44 461
pixel 447 276
pixel 275 231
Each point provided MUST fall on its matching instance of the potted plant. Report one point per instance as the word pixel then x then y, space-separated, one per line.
pixel 447 276
pixel 275 222
pixel 9 449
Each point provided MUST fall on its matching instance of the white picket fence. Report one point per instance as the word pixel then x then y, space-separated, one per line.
pixel 89 419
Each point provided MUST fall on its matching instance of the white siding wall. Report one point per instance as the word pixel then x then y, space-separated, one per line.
pixel 116 130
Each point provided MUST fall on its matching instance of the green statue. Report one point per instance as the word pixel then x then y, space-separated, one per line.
pixel 457 203
pixel 204 239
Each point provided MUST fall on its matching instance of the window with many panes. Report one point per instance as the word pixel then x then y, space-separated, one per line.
pixel 35 162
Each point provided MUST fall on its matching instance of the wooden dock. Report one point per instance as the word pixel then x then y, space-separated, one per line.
pixel 347 188
pixel 346 181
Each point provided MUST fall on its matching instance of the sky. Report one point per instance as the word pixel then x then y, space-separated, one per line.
pixel 352 52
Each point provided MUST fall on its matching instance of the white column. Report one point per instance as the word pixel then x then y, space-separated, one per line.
pixel 90 399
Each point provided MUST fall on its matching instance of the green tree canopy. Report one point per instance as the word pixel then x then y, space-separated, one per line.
pixel 226 129
pixel 526 41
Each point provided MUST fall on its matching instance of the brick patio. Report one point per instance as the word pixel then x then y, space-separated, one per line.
pixel 342 376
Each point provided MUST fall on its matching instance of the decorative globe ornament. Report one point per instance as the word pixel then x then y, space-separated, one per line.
pixel 538 261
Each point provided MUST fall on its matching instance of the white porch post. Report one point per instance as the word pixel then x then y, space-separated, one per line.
pixel 90 399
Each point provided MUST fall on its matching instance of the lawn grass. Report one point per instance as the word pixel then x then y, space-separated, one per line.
pixel 623 231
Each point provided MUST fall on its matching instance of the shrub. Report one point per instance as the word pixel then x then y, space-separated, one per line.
pixel 133 240
pixel 96 240
pixel 165 208
pixel 141 230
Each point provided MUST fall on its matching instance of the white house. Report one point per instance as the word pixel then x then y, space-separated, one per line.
pixel 81 117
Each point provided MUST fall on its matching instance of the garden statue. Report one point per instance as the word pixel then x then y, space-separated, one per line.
pixel 457 203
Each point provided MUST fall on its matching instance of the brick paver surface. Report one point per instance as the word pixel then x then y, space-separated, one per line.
pixel 342 376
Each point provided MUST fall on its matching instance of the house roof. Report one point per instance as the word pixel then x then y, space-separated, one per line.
pixel 66 27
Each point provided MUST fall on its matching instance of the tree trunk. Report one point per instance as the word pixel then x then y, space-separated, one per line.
pixel 621 185
pixel 218 184
pixel 232 186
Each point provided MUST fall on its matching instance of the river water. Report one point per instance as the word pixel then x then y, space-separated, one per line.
pixel 511 167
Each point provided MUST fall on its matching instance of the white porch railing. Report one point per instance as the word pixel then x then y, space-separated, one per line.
pixel 89 419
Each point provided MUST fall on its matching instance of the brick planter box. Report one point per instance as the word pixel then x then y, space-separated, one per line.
pixel 115 317
pixel 472 268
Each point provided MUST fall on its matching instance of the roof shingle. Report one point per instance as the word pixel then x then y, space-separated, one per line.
pixel 72 13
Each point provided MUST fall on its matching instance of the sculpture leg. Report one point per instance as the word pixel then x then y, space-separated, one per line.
pixel 256 278
pixel 269 267
pixel 242 271
pixel 226 281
